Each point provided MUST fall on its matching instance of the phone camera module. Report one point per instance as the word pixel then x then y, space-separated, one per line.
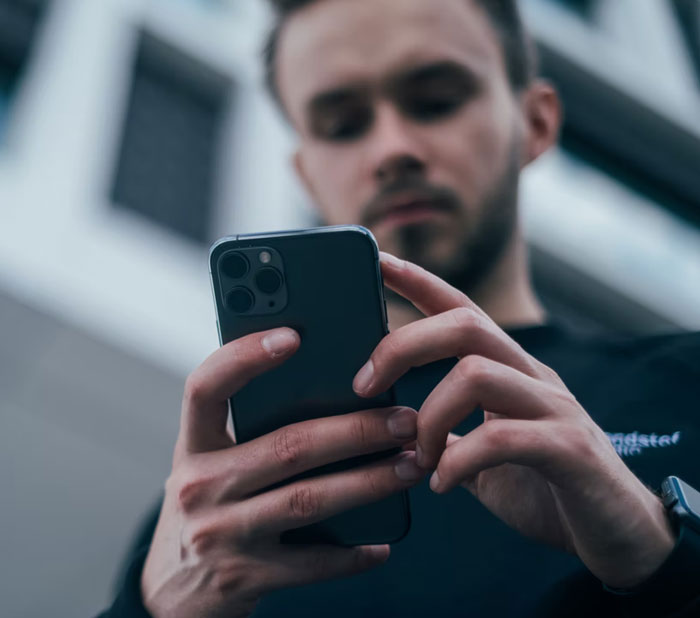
pixel 268 280
pixel 235 265
pixel 240 300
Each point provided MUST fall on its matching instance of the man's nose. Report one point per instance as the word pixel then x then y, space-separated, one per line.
pixel 396 150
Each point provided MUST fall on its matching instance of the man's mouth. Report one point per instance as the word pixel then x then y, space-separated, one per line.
pixel 407 210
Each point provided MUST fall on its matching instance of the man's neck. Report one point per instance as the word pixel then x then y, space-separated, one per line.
pixel 506 295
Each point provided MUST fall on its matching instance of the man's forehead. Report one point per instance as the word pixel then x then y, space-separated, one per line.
pixel 335 43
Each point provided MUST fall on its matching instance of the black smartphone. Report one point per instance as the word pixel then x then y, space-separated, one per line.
pixel 326 284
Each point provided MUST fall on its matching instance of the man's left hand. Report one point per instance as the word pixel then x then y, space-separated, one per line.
pixel 538 461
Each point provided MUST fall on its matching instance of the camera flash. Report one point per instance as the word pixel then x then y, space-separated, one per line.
pixel 265 257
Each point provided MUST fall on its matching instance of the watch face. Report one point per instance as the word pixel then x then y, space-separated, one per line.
pixel 691 498
pixel 682 502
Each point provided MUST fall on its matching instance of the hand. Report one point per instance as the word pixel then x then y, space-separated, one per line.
pixel 216 549
pixel 538 461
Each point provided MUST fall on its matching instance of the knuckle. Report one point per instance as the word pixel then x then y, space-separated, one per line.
pixel 304 503
pixel 195 390
pixel 566 399
pixel 289 445
pixel 236 483
pixel 465 319
pixel 201 539
pixel 424 424
pixel 559 400
pixel 231 577
pixel 498 436
pixel 475 369
pixel 447 466
pixel 545 371
pixel 390 347
pixel 580 439
pixel 189 490
pixel 244 527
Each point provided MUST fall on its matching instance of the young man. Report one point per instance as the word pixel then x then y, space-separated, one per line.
pixel 414 119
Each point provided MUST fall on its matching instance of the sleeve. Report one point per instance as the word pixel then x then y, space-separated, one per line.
pixel 128 602
pixel 672 592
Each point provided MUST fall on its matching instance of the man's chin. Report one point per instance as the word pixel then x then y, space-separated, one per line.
pixel 422 243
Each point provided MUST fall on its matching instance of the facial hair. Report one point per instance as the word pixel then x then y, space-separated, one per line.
pixel 485 237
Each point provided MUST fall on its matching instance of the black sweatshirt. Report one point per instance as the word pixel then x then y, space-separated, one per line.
pixel 458 559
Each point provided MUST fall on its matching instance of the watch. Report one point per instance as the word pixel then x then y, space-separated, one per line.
pixel 682 503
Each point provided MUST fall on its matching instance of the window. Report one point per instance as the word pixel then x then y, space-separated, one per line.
pixel 688 12
pixel 169 153
pixel 18 24
pixel 583 7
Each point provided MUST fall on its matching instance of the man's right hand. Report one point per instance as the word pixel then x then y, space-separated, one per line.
pixel 216 549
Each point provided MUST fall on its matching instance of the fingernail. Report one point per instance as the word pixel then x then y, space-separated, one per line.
pixel 435 481
pixel 279 342
pixel 378 553
pixel 387 258
pixel 363 379
pixel 407 469
pixel 402 423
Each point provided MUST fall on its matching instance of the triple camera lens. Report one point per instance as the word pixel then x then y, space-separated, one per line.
pixel 241 299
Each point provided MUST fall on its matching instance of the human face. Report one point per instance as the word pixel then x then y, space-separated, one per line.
pixel 407 125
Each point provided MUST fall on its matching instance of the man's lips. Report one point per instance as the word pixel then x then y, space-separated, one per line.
pixel 409 210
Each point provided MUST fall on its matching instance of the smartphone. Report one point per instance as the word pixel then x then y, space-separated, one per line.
pixel 326 284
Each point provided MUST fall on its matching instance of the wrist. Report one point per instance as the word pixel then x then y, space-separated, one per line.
pixel 653 544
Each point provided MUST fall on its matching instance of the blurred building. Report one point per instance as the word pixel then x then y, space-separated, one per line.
pixel 134 132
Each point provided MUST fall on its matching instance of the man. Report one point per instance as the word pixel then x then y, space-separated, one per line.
pixel 415 119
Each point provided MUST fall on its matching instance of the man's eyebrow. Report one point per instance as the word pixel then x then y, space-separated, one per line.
pixel 434 70
pixel 331 98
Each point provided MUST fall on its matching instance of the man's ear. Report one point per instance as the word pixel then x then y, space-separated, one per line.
pixel 543 116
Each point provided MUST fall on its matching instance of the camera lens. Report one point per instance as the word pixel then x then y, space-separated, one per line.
pixel 235 265
pixel 268 280
pixel 240 300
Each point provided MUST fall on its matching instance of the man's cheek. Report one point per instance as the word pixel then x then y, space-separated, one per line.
pixel 485 158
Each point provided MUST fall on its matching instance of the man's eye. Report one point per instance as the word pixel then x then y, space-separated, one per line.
pixel 345 126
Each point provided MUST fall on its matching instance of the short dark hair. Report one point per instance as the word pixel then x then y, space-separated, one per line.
pixel 518 50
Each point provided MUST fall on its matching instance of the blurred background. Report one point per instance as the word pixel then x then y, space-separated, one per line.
pixel 133 133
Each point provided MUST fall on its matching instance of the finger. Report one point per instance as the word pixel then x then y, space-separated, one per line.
pixel 312 500
pixel 290 450
pixel 297 566
pixel 411 446
pixel 204 405
pixel 480 382
pixel 428 293
pixel 454 333
pixel 501 441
